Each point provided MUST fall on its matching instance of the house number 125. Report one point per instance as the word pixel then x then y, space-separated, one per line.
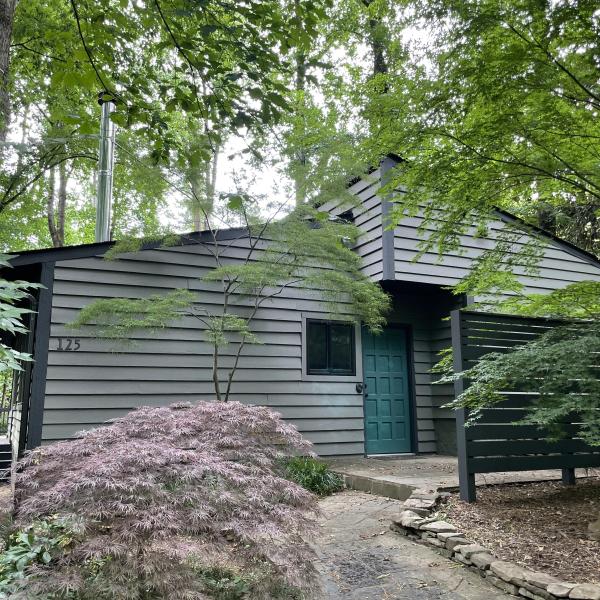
pixel 68 344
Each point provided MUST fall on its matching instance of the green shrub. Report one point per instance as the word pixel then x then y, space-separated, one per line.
pixel 35 545
pixel 223 584
pixel 313 475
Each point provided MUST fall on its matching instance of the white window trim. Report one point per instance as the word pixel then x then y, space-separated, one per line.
pixel 358 377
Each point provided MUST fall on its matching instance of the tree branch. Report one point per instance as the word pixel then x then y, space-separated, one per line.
pixel 87 50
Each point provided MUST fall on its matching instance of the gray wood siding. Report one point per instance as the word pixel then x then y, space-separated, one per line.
pixel 558 267
pixel 94 384
pixel 87 387
pixel 366 210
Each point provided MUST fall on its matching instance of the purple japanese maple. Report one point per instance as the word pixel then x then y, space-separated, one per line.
pixel 165 495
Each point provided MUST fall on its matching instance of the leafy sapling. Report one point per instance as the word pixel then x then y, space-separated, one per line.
pixel 303 253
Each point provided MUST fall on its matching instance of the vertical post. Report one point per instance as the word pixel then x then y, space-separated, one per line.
pixel 466 480
pixel 37 394
pixel 106 153
pixel 568 476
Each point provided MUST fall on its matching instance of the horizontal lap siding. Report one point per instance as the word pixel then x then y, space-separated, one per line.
pixel 366 210
pixel 558 267
pixel 104 380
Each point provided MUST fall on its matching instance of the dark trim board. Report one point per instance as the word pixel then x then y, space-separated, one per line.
pixel 29 257
pixel 40 353
pixel 387 235
pixel 412 380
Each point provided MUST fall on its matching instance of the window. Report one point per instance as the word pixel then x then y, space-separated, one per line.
pixel 330 348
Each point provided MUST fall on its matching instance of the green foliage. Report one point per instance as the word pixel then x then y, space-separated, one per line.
pixel 130 243
pixel 495 272
pixel 37 544
pixel 304 250
pixel 498 108
pixel 559 366
pixel 11 318
pixel 579 300
pixel 184 75
pixel 119 318
pixel 222 584
pixel 313 475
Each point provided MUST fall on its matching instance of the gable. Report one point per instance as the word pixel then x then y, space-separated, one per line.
pixel 392 255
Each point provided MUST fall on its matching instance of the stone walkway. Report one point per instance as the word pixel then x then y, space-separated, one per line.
pixel 360 558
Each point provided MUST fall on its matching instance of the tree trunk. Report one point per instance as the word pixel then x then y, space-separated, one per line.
pixel 56 203
pixel 203 180
pixel 377 41
pixel 63 179
pixel 7 14
pixel 24 134
pixel 50 206
pixel 301 155
pixel 210 182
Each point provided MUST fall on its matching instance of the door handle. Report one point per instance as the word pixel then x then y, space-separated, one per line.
pixel 361 388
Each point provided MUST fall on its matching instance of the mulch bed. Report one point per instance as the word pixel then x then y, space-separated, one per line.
pixel 541 526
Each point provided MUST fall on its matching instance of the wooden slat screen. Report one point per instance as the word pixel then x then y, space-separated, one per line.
pixel 495 443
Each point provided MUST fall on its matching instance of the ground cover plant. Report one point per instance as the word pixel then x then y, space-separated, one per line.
pixel 314 475
pixel 173 502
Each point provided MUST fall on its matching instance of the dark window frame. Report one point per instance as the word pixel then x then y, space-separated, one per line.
pixel 329 371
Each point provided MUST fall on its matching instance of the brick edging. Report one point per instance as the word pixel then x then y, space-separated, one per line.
pixel 417 523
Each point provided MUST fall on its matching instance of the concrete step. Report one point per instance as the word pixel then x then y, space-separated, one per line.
pixel 379 486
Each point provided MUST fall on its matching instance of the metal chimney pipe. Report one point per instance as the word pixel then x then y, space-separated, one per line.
pixel 106 153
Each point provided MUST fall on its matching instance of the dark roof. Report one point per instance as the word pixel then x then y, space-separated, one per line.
pixel 29 257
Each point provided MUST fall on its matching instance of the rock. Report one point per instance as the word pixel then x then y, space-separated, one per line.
pixel 439 527
pixel 560 589
pixel 541 580
pixel 527 594
pixel 460 558
pixel 467 549
pixel 456 541
pixel 537 592
pixel 408 514
pixel 446 535
pixel 482 560
pixel 509 588
pixel 585 591
pixel 398 528
pixel 423 495
pixel 433 541
pixel 409 518
pixel 419 503
pixel 422 512
pixel 508 572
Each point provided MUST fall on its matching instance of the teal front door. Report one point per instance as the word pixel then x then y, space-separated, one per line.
pixel 387 398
